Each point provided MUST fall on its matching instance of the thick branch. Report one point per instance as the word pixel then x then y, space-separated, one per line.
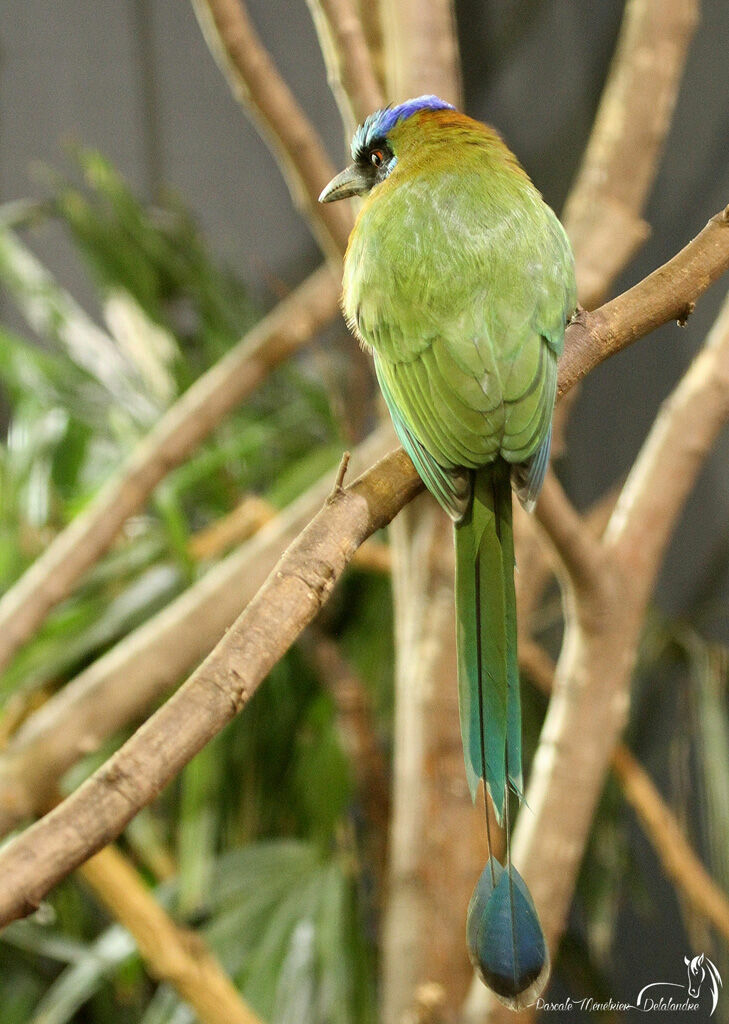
pixel 603 212
pixel 142 668
pixel 292 596
pixel 422 57
pixel 666 470
pixel 292 138
pixel 52 577
pixel 669 293
pixel 172 954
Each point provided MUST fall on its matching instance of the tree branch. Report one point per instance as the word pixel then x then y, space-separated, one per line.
pixel 603 212
pixel 172 954
pixel 669 293
pixel 52 577
pixel 293 140
pixel 422 57
pixel 293 594
pixel 349 66
pixel 666 470
pixel 679 861
pixel 122 685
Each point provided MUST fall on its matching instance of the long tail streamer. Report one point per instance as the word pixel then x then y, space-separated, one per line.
pixel 504 935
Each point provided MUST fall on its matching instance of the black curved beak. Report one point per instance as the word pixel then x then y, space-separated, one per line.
pixel 352 181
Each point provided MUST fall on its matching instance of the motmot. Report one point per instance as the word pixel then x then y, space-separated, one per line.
pixel 460 280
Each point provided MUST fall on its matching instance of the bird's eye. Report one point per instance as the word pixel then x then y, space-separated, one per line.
pixel 377 156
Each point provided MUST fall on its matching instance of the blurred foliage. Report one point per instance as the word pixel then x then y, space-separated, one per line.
pixel 256 828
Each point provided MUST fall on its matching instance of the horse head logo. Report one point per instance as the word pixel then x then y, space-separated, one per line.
pixel 700 968
pixel 701 972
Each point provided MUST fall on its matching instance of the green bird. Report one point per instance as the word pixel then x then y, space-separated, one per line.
pixel 460 280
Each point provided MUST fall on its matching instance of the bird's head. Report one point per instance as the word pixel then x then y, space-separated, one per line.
pixel 375 148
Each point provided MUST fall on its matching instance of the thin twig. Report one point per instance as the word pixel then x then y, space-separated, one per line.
pixel 173 954
pixel 52 577
pixel 292 596
pixel 350 71
pixel 292 138
pixel 674 852
pixel 341 473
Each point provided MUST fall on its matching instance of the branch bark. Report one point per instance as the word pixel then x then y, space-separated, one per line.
pixel 125 682
pixel 52 577
pixel 679 860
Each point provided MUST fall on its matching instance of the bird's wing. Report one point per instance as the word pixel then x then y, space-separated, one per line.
pixel 451 488
pixel 466 404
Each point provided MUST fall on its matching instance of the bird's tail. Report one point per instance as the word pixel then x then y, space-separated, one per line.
pixel 505 938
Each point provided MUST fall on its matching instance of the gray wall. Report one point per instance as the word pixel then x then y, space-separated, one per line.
pixel 133 78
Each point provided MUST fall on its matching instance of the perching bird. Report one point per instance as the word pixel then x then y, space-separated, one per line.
pixel 460 280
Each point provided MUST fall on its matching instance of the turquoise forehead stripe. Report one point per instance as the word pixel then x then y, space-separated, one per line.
pixel 381 123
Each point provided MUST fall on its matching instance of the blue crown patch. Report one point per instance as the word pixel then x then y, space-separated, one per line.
pixel 381 123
